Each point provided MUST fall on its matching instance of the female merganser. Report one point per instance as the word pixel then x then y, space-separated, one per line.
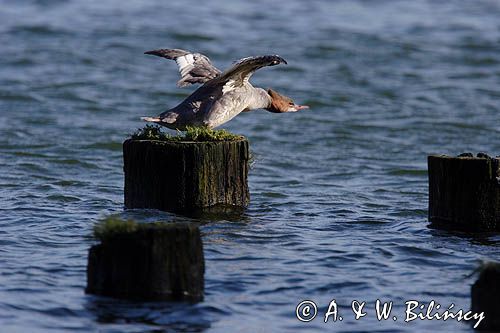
pixel 223 95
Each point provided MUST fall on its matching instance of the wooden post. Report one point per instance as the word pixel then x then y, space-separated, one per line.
pixel 185 176
pixel 153 262
pixel 485 296
pixel 464 192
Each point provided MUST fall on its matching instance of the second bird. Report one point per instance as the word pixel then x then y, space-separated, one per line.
pixel 223 95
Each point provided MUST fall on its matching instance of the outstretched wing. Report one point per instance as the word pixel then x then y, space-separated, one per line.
pixel 242 70
pixel 193 67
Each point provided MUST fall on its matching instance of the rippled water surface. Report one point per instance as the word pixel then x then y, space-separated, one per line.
pixel 339 193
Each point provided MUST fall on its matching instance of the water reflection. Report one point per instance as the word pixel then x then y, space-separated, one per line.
pixel 151 316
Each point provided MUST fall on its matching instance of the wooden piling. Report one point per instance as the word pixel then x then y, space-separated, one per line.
pixel 485 297
pixel 148 262
pixel 464 192
pixel 185 176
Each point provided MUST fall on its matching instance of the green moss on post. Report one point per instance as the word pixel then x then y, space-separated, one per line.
pixel 464 192
pixel 154 261
pixel 196 134
pixel 186 176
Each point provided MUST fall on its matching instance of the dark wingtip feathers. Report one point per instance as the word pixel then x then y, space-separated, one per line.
pixel 279 60
pixel 273 60
pixel 153 52
pixel 168 53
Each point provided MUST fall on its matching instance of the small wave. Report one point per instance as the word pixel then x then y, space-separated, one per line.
pixel 113 146
pixel 19 96
pixel 38 29
pixel 66 183
pixel 71 161
pixel 192 37
pixel 63 198
pixel 407 172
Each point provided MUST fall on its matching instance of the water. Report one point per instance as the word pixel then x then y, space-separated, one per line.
pixel 339 194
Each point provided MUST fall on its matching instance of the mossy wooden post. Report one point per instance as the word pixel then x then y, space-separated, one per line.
pixel 150 262
pixel 485 297
pixel 184 176
pixel 464 192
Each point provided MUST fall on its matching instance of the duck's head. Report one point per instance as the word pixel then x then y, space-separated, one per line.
pixel 280 103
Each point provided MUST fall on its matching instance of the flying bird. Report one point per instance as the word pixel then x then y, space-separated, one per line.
pixel 223 95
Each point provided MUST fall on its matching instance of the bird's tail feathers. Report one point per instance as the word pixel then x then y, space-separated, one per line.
pixel 151 119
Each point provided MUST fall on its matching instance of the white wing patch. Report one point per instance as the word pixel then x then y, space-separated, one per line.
pixel 185 63
pixel 194 67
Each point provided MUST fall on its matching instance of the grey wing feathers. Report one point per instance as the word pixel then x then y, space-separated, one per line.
pixel 193 67
pixel 243 69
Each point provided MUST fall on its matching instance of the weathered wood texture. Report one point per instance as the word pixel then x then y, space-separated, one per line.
pixel 185 176
pixel 153 263
pixel 485 297
pixel 464 193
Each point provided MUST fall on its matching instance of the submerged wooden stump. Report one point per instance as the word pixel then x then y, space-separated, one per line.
pixel 485 297
pixel 464 192
pixel 185 176
pixel 153 262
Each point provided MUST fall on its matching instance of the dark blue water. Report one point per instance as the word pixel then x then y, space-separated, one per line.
pixel 339 194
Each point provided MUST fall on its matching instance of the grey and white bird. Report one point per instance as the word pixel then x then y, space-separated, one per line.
pixel 223 95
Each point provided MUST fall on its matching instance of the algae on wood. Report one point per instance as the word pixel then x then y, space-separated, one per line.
pixel 464 192
pixel 186 176
pixel 154 261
